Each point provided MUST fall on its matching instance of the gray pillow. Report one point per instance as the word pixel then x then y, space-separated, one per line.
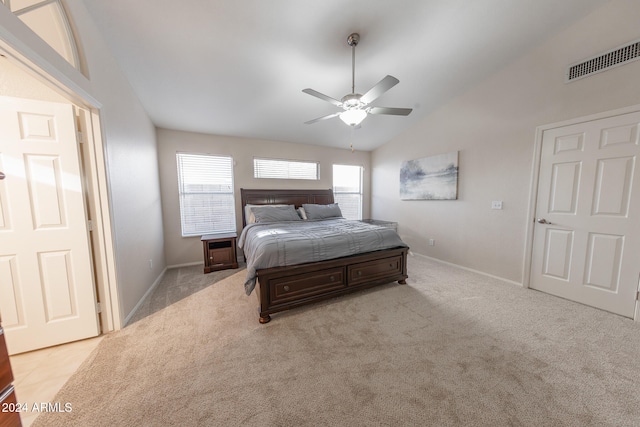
pixel 248 214
pixel 275 213
pixel 322 211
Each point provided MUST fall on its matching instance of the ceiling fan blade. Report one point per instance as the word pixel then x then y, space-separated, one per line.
pixel 319 119
pixel 381 87
pixel 322 96
pixel 392 111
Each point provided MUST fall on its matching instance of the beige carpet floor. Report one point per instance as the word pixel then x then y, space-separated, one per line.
pixel 450 348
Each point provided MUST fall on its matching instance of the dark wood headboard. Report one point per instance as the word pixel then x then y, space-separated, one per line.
pixel 283 197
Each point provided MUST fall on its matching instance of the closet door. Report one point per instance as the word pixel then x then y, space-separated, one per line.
pixel 587 233
pixel 47 291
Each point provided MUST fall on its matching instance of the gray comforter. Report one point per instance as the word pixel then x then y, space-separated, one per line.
pixel 298 242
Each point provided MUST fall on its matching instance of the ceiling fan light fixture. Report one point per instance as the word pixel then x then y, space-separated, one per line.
pixel 353 117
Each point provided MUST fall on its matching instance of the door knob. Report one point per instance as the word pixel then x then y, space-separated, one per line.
pixel 2 175
pixel 543 221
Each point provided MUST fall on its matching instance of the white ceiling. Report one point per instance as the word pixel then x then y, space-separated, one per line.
pixel 238 68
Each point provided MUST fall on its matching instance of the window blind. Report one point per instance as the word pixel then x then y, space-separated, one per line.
pixel 285 169
pixel 205 185
pixel 347 190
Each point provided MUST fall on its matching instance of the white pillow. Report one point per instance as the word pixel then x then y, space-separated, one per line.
pixel 302 213
pixel 247 214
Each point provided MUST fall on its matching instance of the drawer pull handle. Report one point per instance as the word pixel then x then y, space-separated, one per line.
pixel 210 257
pixel 5 394
pixel 332 278
pixel 359 273
pixel 390 265
pixel 286 288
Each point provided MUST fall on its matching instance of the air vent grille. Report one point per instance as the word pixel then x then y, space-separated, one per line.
pixel 613 58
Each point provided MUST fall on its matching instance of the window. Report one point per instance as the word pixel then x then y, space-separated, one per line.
pixel 285 169
pixel 205 186
pixel 48 19
pixel 347 190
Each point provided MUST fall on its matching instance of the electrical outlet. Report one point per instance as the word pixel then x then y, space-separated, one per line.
pixel 496 204
pixel 432 242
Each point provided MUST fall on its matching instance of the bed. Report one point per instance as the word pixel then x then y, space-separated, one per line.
pixel 283 287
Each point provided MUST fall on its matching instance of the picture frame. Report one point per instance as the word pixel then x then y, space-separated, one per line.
pixel 430 178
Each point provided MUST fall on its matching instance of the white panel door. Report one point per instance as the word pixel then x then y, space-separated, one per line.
pixel 587 231
pixel 47 292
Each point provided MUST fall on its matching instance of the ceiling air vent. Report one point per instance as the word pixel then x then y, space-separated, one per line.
pixel 613 58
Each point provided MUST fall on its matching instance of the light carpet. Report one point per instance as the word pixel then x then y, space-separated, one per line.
pixel 450 348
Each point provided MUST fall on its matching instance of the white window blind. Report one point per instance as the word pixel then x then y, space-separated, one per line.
pixel 347 190
pixel 285 169
pixel 205 184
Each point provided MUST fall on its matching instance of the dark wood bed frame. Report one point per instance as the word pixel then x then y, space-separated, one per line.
pixel 283 288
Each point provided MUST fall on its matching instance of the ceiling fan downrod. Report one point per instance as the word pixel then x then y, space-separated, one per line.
pixel 352 41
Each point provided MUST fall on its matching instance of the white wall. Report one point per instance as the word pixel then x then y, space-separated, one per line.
pixel 130 145
pixel 185 250
pixel 16 83
pixel 132 163
pixel 493 126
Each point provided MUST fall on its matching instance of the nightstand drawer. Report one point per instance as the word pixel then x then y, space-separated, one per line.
pixel 219 256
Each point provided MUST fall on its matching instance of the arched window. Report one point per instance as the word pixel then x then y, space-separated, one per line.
pixel 48 19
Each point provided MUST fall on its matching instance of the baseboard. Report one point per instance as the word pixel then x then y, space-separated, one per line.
pixel 513 282
pixel 144 297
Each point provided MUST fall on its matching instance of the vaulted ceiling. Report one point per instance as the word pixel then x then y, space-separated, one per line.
pixel 238 68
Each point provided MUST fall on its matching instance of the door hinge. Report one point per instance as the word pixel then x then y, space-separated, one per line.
pixel 637 295
pixel 98 308
pixel 90 225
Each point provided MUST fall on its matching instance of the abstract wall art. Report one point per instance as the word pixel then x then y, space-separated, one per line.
pixel 430 178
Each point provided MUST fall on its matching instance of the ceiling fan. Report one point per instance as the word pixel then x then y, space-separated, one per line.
pixel 356 107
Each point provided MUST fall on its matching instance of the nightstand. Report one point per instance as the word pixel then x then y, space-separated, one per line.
pixel 219 251
pixel 386 224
